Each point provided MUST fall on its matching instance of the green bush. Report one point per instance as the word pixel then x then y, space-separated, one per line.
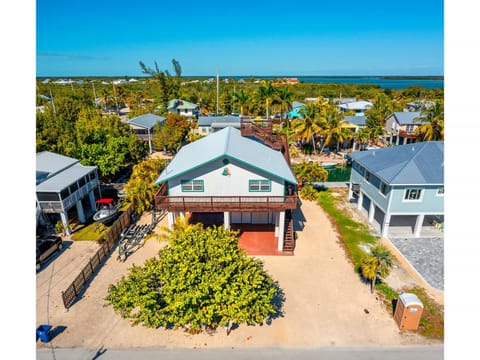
pixel 308 192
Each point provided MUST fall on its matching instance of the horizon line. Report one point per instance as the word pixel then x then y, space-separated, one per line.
pixel 251 75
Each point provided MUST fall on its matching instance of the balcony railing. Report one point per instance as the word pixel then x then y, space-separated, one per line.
pixel 223 203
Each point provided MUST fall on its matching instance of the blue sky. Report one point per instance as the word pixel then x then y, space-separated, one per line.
pixel 240 37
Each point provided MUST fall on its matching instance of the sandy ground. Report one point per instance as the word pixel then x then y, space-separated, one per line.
pixel 325 301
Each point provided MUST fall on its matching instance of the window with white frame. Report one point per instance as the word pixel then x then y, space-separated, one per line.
pixel 413 194
pixel 440 191
pixel 192 185
pixel 259 185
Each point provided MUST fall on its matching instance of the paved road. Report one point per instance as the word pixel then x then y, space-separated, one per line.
pixel 372 353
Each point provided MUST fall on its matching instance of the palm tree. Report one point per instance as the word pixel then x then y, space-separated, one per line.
pixel 266 92
pixel 334 129
pixel 242 99
pixel 377 264
pixel 361 136
pixel 310 124
pixel 382 107
pixel 284 98
pixel 432 120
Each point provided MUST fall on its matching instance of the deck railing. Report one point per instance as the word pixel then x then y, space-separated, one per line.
pixel 223 203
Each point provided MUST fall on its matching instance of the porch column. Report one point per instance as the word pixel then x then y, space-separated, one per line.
pixel 81 214
pixel 281 230
pixel 418 225
pixel 360 200
pixel 350 191
pixel 371 212
pixel 171 219
pixel 64 218
pixel 397 140
pixel 226 220
pixel 149 141
pixel 386 224
pixel 91 195
pixel 277 216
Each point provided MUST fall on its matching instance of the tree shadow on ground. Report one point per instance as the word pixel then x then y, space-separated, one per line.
pixel 277 302
pixel 298 217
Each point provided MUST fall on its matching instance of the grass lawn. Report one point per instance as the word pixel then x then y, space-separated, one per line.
pixel 354 234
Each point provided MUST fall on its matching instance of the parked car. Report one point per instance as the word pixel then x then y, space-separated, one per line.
pixel 46 247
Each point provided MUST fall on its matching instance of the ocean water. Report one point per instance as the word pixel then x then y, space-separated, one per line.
pixel 384 83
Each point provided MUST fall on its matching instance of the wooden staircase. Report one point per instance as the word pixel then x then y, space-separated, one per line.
pixel 289 235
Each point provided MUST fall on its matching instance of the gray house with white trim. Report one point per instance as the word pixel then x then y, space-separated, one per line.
pixel 63 184
pixel 211 124
pixel 400 189
pixel 400 127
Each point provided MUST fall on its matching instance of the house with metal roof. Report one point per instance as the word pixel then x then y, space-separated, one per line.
pixel 211 124
pixel 400 127
pixel 144 125
pixel 400 189
pixel 237 178
pixel 183 107
pixel 64 187
pixel 358 107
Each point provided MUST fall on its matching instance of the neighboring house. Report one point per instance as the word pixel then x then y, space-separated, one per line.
pixel 143 127
pixel 400 189
pixel 400 127
pixel 239 179
pixel 182 107
pixel 295 112
pixel 356 122
pixel 359 107
pixel 211 124
pixel 419 105
pixel 63 186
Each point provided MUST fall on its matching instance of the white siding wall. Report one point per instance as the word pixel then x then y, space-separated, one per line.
pixel 216 184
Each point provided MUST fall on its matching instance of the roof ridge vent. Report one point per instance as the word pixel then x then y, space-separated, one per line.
pixel 413 148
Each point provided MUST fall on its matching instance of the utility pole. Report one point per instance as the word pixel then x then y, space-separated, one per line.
pixel 53 104
pixel 217 93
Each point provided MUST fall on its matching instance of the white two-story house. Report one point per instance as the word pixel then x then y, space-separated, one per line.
pixel 236 177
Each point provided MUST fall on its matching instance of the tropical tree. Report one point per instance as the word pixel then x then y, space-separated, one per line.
pixel 266 93
pixel 382 107
pixel 141 187
pixel 199 281
pixel 310 124
pixel 334 129
pixel 308 172
pixel 361 137
pixel 377 264
pixel 432 123
pixel 284 99
pixel 172 133
pixel 242 99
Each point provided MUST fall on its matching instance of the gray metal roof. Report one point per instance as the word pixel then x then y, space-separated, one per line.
pixel 48 164
pixel 146 121
pixel 356 120
pixel 227 143
pixel 356 105
pixel 65 178
pixel 411 164
pixel 405 117
pixel 209 120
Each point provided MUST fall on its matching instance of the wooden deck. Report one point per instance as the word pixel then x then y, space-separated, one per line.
pixel 222 203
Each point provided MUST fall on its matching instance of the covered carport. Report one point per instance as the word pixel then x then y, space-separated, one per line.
pixel 407 226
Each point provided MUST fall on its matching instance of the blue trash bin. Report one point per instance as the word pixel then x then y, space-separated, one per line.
pixel 43 332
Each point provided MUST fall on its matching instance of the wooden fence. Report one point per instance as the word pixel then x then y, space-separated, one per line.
pixel 111 237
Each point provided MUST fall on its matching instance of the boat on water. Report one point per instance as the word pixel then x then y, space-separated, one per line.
pixel 106 211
